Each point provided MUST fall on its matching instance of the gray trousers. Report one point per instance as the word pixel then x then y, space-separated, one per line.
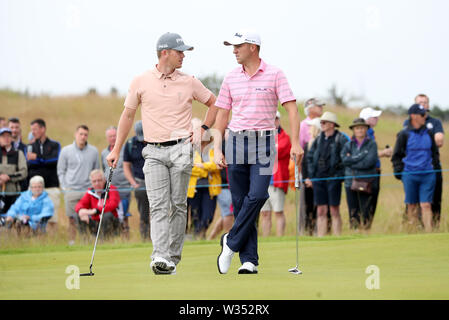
pixel 144 209
pixel 167 172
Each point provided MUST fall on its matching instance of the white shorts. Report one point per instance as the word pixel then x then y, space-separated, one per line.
pixel 276 200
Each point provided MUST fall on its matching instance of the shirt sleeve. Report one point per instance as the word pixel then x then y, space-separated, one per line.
pixel 283 90
pixel 133 98
pixel 224 99
pixel 200 92
pixel 437 126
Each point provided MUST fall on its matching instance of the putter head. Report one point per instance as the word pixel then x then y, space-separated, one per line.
pixel 295 270
pixel 88 274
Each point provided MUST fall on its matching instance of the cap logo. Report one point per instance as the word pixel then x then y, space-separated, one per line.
pixel 162 46
pixel 179 40
pixel 237 35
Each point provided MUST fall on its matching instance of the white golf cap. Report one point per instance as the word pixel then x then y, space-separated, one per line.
pixel 244 36
pixel 367 113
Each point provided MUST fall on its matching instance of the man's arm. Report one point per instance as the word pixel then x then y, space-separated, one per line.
pixel 439 139
pixel 124 125
pixel 296 151
pixel 127 171
pixel 218 133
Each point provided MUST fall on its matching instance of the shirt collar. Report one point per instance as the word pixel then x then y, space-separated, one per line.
pixel 160 75
pixel 262 68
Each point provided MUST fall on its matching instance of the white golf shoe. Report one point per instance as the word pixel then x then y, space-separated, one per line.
pixel 160 265
pixel 225 257
pixel 248 268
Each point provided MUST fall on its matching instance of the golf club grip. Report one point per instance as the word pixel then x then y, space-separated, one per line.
pixel 296 174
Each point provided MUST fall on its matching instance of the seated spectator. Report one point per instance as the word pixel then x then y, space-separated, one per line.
pixel 90 206
pixel 13 169
pixel 32 209
pixel 416 152
pixel 279 186
pixel 323 164
pixel 204 187
pixel 359 156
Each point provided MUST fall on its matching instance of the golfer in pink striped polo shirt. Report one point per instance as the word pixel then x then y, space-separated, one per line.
pixel 251 92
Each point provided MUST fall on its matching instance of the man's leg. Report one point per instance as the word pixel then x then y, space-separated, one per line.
pixel 180 172
pixel 426 210
pixel 143 206
pixel 71 198
pixel 321 220
pixel 242 237
pixel 278 206
pixel 157 181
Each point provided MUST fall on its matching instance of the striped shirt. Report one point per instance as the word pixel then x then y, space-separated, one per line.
pixel 254 99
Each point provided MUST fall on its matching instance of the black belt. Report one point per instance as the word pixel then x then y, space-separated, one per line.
pixel 164 144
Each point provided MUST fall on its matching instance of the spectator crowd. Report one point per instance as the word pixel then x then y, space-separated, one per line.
pixel 33 177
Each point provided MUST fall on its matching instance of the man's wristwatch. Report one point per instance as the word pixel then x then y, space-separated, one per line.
pixel 205 127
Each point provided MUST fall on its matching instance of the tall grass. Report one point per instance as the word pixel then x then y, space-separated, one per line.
pixel 63 114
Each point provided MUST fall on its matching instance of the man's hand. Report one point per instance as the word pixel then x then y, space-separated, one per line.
pixel 4 178
pixel 297 153
pixel 219 159
pixel 113 157
pixel 308 183
pixel 31 156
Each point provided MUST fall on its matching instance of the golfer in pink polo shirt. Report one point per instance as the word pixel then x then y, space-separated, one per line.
pixel 251 92
pixel 165 96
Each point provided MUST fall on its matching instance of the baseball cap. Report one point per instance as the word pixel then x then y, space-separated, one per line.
pixel 172 41
pixel 416 109
pixel 139 130
pixel 243 36
pixel 314 102
pixel 5 129
pixel 367 113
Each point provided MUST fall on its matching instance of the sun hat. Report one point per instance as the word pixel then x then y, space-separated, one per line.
pixel 331 117
pixel 358 122
pixel 5 129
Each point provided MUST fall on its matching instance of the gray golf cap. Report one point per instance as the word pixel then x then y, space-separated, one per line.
pixel 139 130
pixel 172 41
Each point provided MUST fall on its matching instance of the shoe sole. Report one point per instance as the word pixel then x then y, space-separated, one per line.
pixel 246 271
pixel 218 258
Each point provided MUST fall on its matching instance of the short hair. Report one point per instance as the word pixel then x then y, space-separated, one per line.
pixel 422 95
pixel 14 120
pixel 40 122
pixel 110 128
pixel 95 172
pixel 82 126
pixel 37 179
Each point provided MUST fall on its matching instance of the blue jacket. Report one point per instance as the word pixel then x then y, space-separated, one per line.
pixel 42 207
pixel 415 150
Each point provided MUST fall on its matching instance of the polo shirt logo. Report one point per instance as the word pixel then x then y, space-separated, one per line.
pixel 262 89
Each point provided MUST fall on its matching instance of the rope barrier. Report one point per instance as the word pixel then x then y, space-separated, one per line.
pixel 277 181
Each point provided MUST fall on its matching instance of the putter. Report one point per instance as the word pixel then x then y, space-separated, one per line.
pixel 108 184
pixel 295 270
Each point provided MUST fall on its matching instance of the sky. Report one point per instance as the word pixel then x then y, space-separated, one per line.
pixel 385 52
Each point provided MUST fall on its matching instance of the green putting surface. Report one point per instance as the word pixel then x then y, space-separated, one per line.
pixel 409 267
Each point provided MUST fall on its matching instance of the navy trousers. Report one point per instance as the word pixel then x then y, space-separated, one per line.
pixel 249 178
